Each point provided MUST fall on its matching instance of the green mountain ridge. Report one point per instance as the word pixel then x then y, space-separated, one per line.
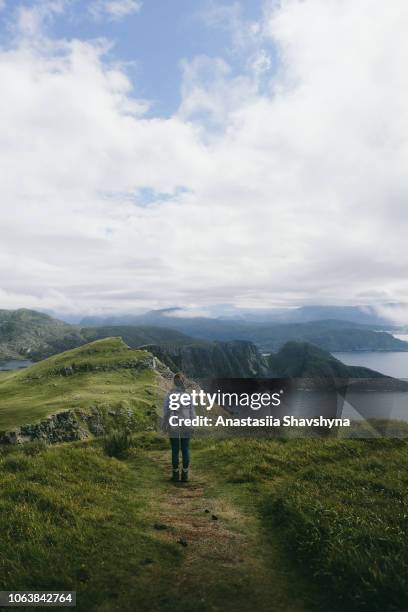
pixel 104 374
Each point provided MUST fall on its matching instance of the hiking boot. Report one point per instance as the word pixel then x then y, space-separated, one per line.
pixel 184 475
pixel 176 476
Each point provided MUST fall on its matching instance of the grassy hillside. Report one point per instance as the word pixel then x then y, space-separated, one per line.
pixel 126 539
pixel 72 518
pixel 339 509
pixel 300 525
pixel 102 373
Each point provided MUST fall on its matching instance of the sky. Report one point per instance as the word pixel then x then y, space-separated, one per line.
pixel 200 154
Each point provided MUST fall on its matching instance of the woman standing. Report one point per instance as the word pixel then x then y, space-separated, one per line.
pixel 179 434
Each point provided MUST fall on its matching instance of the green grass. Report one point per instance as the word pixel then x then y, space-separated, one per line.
pixel 340 507
pixel 97 374
pixel 74 519
pixel 326 517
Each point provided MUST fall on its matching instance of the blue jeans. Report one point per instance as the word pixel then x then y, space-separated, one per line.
pixel 178 444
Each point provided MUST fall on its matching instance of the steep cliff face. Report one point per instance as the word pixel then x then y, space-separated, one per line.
pixel 236 359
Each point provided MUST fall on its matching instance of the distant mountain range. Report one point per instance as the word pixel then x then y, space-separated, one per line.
pixel 27 334
pixel 329 334
pixel 361 315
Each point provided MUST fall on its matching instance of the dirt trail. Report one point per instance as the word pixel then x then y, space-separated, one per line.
pixel 226 560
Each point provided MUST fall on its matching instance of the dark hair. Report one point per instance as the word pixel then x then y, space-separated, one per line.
pixel 180 380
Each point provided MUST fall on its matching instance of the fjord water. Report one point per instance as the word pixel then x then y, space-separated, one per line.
pixel 391 363
pixel 14 364
pixel 379 405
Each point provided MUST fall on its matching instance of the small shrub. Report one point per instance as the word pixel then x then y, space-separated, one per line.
pixel 117 444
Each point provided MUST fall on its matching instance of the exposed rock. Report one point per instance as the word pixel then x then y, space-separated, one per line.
pixel 67 426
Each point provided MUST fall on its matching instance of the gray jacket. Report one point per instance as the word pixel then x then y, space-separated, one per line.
pixel 182 412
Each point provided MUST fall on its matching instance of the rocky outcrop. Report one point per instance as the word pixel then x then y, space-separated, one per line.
pixel 65 426
pixel 69 426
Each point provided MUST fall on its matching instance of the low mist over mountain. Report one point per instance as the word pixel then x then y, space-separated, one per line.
pixel 361 315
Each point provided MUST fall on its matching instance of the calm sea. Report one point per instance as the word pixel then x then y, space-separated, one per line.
pixel 390 363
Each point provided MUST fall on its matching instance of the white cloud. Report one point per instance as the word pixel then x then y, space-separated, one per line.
pixel 210 91
pixel 290 195
pixel 114 9
pixel 31 20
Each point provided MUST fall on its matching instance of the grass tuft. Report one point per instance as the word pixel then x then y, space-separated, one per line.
pixel 117 444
